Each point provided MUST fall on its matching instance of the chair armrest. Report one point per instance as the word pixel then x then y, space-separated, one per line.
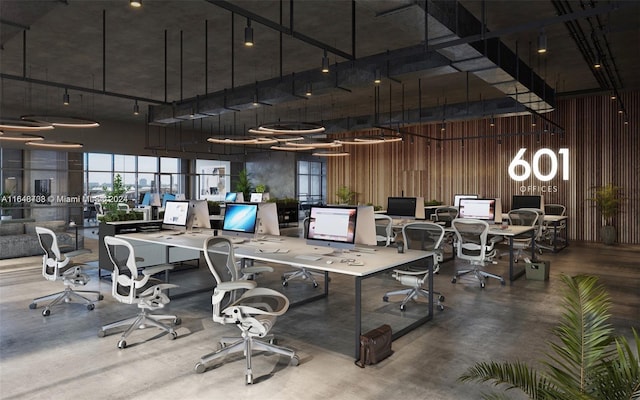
pixel 160 286
pixel 236 285
pixel 148 271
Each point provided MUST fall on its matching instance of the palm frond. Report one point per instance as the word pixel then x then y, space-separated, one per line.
pixel 513 374
pixel 620 377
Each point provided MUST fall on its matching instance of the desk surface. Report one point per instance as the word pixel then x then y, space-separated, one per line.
pixel 380 259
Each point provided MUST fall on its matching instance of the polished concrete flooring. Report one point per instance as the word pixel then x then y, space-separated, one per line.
pixel 61 357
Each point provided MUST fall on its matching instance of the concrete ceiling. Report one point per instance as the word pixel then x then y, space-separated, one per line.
pixel 177 56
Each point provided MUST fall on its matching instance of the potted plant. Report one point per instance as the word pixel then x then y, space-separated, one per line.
pixel 345 195
pixel 244 184
pixel 214 207
pixel 607 200
pixel 587 362
pixel 260 188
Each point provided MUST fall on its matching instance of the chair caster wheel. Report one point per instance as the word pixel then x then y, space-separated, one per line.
pixel 453 280
pixel 33 306
pixel 515 261
pixel 102 333
pixel 178 321
pixel 315 284
pixel 403 307
pixel 482 285
pixel 100 297
pixel 200 368
pixel 122 344
pixel 90 307
pixel 385 299
pixel 46 312
pixel 295 361
pixel 249 379
pixel 441 307
pixel 441 298
pixel 285 283
pixel 172 335
pixel 503 283
pixel 284 278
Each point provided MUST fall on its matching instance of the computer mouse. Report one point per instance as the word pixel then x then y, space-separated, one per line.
pixel 329 262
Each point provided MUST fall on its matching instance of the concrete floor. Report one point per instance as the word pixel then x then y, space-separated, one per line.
pixel 61 357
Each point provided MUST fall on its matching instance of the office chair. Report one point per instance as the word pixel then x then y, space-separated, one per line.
pixel 549 235
pixel 254 312
pixel 132 287
pixel 445 215
pixel 384 229
pixel 472 246
pixel 425 236
pixel 56 265
pixel 524 217
pixel 301 272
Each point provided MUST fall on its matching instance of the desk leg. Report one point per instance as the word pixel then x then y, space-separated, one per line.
pixel 512 275
pixel 358 317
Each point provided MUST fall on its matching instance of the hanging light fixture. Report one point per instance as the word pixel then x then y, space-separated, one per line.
pixel 443 126
pixel 330 154
pixel 492 122
pixel 19 137
pixel 61 121
pixel 308 89
pixel 248 34
pixel 542 42
pixel 65 98
pixel 52 144
pixel 325 63
pixel 19 125
pixel 377 79
pixel 136 108
pixel 598 63
pixel 135 3
pixel 255 100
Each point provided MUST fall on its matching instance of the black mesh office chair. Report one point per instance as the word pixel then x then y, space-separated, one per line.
pixel 254 312
pixel 60 266
pixel 424 236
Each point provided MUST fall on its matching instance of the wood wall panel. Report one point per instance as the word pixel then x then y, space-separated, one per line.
pixel 602 149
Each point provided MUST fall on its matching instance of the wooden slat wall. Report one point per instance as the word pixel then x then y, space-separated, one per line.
pixel 602 149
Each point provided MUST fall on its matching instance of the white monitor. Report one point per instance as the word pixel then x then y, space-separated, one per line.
pixel 483 209
pixel 332 226
pixel 458 197
pixel 240 219
pixel 366 226
pixel 256 198
pixel 268 219
pixel 198 215
pixel 175 215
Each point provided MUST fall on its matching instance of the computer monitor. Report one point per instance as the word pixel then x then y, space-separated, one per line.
pixel 527 202
pixel 366 226
pixel 176 214
pixel 256 198
pixel 230 196
pixel 240 219
pixel 268 223
pixel 458 197
pixel 198 215
pixel 401 207
pixel 483 209
pixel 332 226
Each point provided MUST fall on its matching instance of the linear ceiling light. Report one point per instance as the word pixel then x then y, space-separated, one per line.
pixel 317 145
pixel 24 126
pixel 135 3
pixel 65 98
pixel 325 63
pixel 19 137
pixel 54 144
pixel 248 34
pixel 288 128
pixel 292 148
pixel 61 121
pixel 330 154
pixel 542 42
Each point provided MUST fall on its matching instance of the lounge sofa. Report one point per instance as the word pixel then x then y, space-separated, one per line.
pixel 18 237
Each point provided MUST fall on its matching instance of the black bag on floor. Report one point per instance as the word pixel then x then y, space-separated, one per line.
pixel 375 346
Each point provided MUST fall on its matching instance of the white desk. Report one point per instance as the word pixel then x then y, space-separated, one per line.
pixel 382 259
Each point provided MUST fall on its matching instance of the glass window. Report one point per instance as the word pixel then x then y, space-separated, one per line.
pixel 303 167
pixel 124 163
pixel 169 165
pixel 147 164
pixel 98 162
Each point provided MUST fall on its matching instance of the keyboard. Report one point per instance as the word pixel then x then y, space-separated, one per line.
pixel 364 250
pixel 236 240
pixel 308 257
